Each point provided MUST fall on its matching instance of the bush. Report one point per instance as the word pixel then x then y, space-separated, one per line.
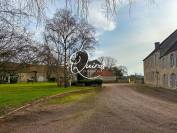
pixel 3 81
pixel 52 79
pixel 74 83
pixel 86 82
pixel 13 79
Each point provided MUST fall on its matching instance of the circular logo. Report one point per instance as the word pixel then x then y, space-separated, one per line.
pixel 80 64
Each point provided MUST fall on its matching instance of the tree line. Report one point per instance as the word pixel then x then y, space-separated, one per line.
pixel 64 34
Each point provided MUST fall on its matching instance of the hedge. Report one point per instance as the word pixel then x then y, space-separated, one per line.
pixel 87 82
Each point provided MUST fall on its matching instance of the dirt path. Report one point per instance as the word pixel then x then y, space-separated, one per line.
pixel 116 109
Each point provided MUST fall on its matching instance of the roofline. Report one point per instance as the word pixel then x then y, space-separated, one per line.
pixel 150 54
pixel 168 37
pixel 168 51
pixel 160 46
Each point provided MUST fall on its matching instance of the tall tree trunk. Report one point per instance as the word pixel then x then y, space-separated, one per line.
pixel 58 73
pixel 65 69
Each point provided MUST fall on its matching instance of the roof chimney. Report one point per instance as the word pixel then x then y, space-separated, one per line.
pixel 157 44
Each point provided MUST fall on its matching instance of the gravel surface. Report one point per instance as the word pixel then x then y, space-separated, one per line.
pixel 115 109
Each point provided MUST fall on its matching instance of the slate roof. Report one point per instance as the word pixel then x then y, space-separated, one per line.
pixel 168 43
pixel 171 49
pixel 167 46
pixel 155 50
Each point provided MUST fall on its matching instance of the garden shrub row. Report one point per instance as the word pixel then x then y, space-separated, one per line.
pixel 87 82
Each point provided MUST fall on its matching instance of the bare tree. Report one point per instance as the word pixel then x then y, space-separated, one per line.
pixel 20 9
pixel 27 54
pixel 67 34
pixel 124 70
pixel 13 37
pixel 46 57
pixel 119 71
pixel 15 11
pixel 107 61
pixel 11 41
pixel 109 6
pixel 16 47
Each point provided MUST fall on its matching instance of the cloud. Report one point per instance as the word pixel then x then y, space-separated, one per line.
pixel 98 53
pixel 134 39
pixel 98 19
pixel 131 39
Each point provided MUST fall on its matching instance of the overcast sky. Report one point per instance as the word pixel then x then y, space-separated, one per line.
pixel 130 37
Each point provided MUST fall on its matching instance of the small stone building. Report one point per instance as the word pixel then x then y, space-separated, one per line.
pixel 160 66
pixel 33 72
pixel 27 72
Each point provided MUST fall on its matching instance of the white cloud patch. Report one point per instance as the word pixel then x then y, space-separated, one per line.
pixel 98 19
pixel 135 37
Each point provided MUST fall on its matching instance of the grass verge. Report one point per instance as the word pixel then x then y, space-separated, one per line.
pixel 71 98
pixel 15 95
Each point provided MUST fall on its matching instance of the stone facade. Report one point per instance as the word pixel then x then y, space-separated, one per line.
pixel 29 72
pixel 160 67
pixel 36 72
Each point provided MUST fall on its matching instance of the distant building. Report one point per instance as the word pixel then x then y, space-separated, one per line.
pixel 25 73
pixel 160 66
pixel 91 70
pixel 107 76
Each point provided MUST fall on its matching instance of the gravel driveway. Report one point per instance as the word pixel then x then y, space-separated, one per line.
pixel 115 109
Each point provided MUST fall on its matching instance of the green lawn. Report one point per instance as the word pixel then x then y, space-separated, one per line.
pixel 16 95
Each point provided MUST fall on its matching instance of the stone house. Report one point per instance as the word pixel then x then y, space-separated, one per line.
pixel 28 72
pixel 160 66
pixel 33 72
